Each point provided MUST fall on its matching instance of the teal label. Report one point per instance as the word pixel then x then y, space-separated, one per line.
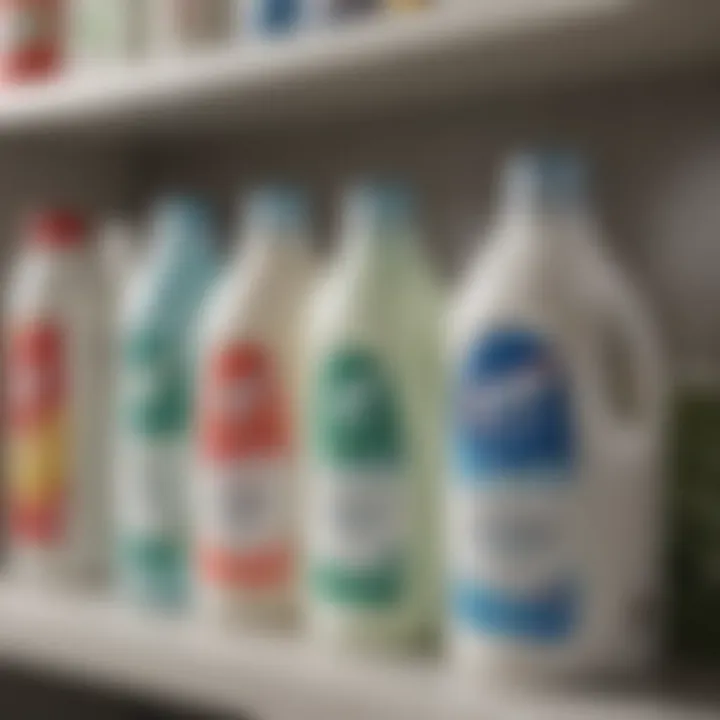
pixel 155 404
pixel 155 396
pixel 358 546
pixel 154 570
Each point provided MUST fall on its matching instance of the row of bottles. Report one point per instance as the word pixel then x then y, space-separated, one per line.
pixel 294 444
pixel 44 37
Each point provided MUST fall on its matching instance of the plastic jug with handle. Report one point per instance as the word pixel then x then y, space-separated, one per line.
pixel 556 411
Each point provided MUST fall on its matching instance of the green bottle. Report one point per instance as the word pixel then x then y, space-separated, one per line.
pixel 372 430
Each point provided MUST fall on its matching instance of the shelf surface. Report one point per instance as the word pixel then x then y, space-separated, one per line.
pixel 455 51
pixel 94 642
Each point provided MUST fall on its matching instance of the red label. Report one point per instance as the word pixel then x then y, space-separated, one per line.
pixel 242 413
pixel 37 387
pixel 253 571
pixel 244 494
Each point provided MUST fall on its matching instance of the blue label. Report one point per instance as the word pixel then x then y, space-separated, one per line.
pixel 512 409
pixel 275 16
pixel 544 616
pixel 513 452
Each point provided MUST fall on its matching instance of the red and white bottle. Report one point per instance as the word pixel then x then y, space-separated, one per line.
pixel 55 339
pixel 31 39
pixel 245 525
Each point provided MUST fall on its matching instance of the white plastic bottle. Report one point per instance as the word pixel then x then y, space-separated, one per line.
pixel 156 367
pixel 177 28
pixel 56 337
pixel 371 396
pixel 245 488
pixel 103 35
pixel 555 492
pixel 119 254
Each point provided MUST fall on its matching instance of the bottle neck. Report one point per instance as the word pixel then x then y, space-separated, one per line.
pixel 554 219
pixel 378 252
pixel 554 243
pixel 59 256
pixel 263 252
pixel 560 223
pixel 172 248
pixel 183 232
pixel 546 195
pixel 181 267
pixel 372 269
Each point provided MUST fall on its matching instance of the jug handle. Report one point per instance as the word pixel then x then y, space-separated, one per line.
pixel 622 311
pixel 633 465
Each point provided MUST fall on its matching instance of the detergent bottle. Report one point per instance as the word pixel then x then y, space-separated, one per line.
pixel 556 411
pixel 246 491
pixel 372 423
pixel 155 403
pixel 56 340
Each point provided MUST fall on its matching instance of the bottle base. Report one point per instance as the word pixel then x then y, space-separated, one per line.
pixel 235 609
pixel 561 667
pixel 369 635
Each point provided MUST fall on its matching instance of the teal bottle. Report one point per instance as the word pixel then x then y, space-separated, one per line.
pixel 155 403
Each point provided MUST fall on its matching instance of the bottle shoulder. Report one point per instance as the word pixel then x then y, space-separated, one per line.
pixel 249 300
pixel 42 285
pixel 343 316
pixel 493 292
pixel 542 274
pixel 163 295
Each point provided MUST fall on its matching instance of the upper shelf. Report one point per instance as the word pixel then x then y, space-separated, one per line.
pixel 456 51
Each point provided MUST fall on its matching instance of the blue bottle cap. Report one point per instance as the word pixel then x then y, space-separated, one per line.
pixel 278 211
pixel 383 206
pixel 185 238
pixel 273 17
pixel 550 176
pixel 181 216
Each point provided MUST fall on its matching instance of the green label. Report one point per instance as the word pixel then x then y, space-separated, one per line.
pixel 155 392
pixel 357 437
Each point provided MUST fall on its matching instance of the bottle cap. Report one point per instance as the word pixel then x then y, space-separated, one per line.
pixel 178 212
pixel 550 176
pixel 385 206
pixel 183 225
pixel 277 211
pixel 57 228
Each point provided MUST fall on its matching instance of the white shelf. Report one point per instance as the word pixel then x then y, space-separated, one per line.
pixel 459 51
pixel 269 678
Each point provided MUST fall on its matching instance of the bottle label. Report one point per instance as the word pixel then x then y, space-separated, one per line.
pixel 155 395
pixel 29 33
pixel 152 497
pixel 39 433
pixel 245 489
pixel 358 503
pixel 513 539
pixel 152 502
